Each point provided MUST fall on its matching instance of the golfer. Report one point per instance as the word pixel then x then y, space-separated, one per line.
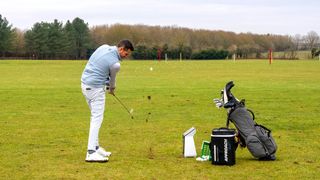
pixel 100 73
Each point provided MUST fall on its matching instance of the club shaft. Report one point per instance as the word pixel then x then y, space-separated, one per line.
pixel 122 104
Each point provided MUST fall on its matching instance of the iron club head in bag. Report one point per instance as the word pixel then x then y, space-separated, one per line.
pixel 227 99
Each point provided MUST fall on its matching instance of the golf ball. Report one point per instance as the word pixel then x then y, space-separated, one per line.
pixel 151 69
pixel 131 111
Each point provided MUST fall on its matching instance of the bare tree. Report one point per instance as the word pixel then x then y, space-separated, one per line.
pixel 297 41
pixel 312 39
pixel 18 45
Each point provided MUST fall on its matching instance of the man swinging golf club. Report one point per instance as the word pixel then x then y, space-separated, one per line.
pixel 102 67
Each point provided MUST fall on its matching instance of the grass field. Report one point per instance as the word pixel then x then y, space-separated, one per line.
pixel 44 119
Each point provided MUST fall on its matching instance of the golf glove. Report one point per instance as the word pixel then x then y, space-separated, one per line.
pixel 219 103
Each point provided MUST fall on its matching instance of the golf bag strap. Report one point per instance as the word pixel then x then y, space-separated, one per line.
pixel 227 124
pixel 231 110
pixel 269 131
pixel 253 116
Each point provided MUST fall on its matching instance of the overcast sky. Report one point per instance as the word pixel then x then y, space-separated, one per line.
pixel 285 17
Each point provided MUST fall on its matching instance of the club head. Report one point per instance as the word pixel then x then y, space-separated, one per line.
pixel 229 85
pixel 228 98
pixel 227 90
pixel 124 106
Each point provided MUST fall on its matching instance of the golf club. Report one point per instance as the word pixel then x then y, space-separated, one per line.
pixel 130 112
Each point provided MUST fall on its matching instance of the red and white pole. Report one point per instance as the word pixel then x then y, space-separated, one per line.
pixel 270 56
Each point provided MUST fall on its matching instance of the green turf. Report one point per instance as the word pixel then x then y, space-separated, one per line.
pixel 44 119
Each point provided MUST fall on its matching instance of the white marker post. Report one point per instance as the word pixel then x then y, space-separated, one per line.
pixel 189 148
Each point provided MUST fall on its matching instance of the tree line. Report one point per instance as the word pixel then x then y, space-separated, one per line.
pixel 75 40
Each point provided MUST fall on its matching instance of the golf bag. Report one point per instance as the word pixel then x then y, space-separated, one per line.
pixel 255 137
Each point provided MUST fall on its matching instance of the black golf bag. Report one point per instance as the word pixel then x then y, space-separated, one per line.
pixel 223 146
pixel 255 137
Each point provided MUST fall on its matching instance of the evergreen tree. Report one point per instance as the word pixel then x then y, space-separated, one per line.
pixel 37 40
pixel 70 40
pixel 81 36
pixel 6 35
pixel 56 41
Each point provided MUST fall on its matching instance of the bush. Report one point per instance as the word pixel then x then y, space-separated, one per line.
pixel 210 54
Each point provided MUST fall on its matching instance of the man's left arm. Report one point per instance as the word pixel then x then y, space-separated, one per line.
pixel 114 69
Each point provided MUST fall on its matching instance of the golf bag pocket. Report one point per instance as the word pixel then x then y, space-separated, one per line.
pixel 255 146
pixel 223 146
pixel 266 138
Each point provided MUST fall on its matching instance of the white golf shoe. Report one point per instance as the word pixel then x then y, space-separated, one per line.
pixel 96 157
pixel 103 152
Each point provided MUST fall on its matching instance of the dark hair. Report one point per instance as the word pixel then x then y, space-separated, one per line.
pixel 126 44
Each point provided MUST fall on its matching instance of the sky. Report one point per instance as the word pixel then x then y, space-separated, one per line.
pixel 283 17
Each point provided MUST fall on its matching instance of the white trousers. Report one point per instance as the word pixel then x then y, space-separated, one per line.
pixel 95 98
